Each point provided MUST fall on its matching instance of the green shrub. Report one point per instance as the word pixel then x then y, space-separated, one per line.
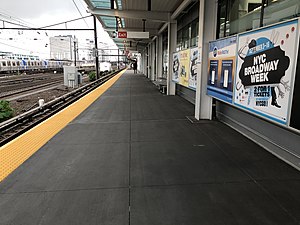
pixel 92 76
pixel 6 111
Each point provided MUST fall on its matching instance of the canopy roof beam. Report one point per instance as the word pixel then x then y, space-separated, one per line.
pixel 156 16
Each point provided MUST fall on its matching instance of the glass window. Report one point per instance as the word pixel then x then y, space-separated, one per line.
pixel 242 15
pixel 236 16
pixel 194 33
pixel 280 10
pixel 179 40
pixel 221 19
pixel 185 37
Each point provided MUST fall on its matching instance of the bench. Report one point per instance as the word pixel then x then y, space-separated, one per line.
pixel 161 84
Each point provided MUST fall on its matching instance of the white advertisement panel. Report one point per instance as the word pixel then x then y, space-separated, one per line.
pixel 176 67
pixel 265 70
pixel 193 65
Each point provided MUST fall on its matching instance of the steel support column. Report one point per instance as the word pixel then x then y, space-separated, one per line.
pixel 207 23
pixel 96 47
pixel 159 51
pixel 149 61
pixel 153 61
pixel 172 39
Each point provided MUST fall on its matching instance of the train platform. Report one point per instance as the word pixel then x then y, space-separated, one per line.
pixel 134 157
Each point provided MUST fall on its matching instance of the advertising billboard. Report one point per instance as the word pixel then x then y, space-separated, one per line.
pixel 176 67
pixel 265 70
pixel 193 68
pixel 221 68
pixel 184 70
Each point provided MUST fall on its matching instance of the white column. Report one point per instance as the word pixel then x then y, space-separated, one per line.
pixel 207 32
pixel 145 62
pixel 153 71
pixel 149 62
pixel 172 39
pixel 159 51
pixel 142 62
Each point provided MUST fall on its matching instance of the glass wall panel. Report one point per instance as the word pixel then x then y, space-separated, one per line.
pixel 280 10
pixel 235 16
pixel 194 33
pixel 179 40
pixel 185 37
pixel 221 19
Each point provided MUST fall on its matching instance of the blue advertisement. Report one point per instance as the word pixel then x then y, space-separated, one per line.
pixel 222 57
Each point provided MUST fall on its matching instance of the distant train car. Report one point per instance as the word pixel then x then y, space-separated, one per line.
pixel 114 65
pixel 86 67
pixel 8 65
pixel 32 65
pixel 105 66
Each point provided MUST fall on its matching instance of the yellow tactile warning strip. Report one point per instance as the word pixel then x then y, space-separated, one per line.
pixel 14 153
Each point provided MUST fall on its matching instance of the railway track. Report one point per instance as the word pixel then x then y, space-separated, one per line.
pixel 10 87
pixel 16 126
pixel 27 89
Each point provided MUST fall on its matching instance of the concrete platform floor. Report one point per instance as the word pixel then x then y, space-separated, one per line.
pixel 134 158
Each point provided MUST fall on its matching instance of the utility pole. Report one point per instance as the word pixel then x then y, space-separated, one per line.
pixel 74 52
pixel 96 48
pixel 118 58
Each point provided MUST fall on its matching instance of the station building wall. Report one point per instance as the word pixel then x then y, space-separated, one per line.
pixel 236 17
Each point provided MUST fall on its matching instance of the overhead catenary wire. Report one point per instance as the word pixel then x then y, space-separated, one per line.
pixel 80 13
pixel 65 22
pixel 6 21
pixel 44 28
pixel 13 17
pixel 20 48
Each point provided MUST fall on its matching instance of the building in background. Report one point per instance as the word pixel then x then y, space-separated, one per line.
pixel 63 47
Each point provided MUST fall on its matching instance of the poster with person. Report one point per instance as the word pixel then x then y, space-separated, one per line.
pixel 184 69
pixel 221 68
pixel 265 70
pixel 193 68
pixel 176 67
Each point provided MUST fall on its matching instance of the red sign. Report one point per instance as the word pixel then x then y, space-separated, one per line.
pixel 122 34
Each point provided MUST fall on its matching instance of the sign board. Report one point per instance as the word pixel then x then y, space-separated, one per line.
pixel 122 34
pixel 132 34
pixel 140 35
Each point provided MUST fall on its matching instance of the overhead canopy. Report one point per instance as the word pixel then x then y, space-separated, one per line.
pixel 136 15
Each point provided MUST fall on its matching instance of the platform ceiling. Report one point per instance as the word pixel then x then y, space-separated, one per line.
pixel 131 13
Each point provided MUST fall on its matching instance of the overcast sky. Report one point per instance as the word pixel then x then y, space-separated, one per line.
pixel 37 13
